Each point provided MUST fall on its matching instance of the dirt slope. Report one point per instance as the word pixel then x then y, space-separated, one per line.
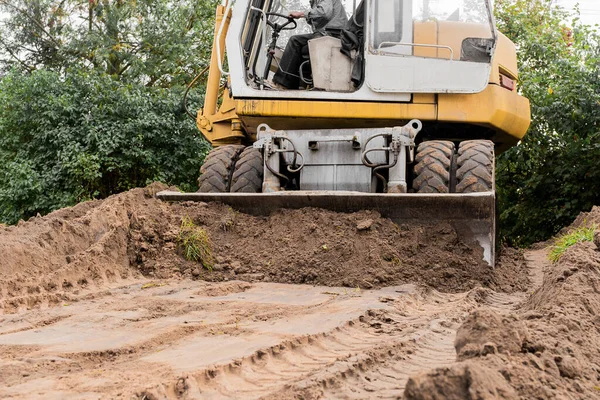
pixel 99 303
pixel 546 348
pixel 133 235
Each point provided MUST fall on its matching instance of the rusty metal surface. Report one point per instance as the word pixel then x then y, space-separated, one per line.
pixel 472 215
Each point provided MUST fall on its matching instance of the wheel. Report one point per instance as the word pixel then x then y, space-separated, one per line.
pixel 248 173
pixel 476 169
pixel 215 173
pixel 433 168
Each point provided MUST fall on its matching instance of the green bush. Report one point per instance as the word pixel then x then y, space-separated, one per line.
pixel 552 175
pixel 83 135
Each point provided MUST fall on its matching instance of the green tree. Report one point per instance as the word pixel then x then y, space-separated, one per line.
pixel 80 135
pixel 152 42
pixel 91 98
pixel 552 175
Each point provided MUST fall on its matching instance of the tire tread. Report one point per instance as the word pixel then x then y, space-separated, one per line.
pixel 215 173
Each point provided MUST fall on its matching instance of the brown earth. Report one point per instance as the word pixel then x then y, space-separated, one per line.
pixel 133 235
pixel 586 219
pixel 98 302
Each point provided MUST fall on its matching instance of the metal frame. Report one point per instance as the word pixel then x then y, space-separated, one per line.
pixel 389 78
pixel 240 88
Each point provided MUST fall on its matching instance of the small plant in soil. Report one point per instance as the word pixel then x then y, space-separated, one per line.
pixel 579 235
pixel 228 221
pixel 195 243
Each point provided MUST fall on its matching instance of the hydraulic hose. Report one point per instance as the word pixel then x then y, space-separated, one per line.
pixel 187 90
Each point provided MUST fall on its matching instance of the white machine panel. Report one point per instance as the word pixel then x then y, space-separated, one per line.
pixel 240 88
pixel 389 74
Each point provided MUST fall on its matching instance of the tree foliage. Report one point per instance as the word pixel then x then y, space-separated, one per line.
pixel 90 100
pixel 552 175
pixel 84 135
pixel 153 42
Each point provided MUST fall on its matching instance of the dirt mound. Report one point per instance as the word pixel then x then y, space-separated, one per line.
pixel 585 219
pixel 463 381
pixel 487 332
pixel 549 347
pixel 105 243
pixel 313 246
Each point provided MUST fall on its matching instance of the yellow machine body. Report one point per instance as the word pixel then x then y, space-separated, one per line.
pixel 501 110
pixel 415 140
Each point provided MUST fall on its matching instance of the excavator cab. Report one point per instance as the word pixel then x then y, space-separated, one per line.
pixel 401 112
pixel 450 44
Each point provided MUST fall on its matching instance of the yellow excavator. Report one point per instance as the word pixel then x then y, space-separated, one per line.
pixel 401 112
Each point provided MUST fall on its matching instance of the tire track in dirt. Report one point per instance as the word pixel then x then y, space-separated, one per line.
pixel 274 369
pixel 421 342
pixel 370 357
pixel 366 344
pixel 424 340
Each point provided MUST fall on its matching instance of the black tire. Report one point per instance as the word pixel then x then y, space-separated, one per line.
pixel 215 173
pixel 476 167
pixel 248 174
pixel 433 167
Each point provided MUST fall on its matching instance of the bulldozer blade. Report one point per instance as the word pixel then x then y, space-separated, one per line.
pixel 472 215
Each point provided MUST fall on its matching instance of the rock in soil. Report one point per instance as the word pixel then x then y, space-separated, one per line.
pixel 364 225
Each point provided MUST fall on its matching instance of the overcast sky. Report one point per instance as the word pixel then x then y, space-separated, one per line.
pixel 590 9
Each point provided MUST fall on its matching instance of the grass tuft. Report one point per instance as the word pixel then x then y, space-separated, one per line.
pixel 581 234
pixel 195 243
pixel 228 221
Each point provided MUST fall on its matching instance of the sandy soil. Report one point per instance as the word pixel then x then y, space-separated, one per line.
pixel 97 302
pixel 133 235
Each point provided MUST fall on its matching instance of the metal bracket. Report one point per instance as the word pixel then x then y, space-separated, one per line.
pixel 273 143
pixel 314 143
pixel 401 141
pixel 402 145
pixel 404 136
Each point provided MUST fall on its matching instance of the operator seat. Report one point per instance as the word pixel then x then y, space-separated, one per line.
pixel 336 65
pixel 331 70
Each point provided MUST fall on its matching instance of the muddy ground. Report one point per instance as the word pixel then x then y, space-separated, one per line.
pixel 97 301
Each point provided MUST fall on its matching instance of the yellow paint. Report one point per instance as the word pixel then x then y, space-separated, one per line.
pixel 495 107
pixel 214 75
pixel 425 33
pixel 506 55
pixel 334 109
pixel 236 120
pixel 423 98
pixel 220 126
pixel 505 60
pixel 452 34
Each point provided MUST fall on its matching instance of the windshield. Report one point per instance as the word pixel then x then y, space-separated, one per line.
pixel 432 28
pixel 286 6
pixel 473 11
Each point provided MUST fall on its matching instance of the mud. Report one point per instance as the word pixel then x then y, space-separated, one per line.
pixel 98 302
